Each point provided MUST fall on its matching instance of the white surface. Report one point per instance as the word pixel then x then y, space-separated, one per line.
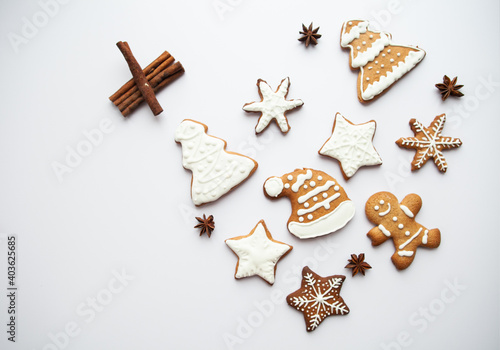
pixel 127 205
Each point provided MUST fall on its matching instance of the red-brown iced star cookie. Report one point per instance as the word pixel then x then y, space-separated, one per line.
pixel 318 298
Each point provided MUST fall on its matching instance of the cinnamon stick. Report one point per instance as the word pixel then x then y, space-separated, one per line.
pixel 139 78
pixel 149 76
pixel 158 82
pixel 153 82
pixel 148 70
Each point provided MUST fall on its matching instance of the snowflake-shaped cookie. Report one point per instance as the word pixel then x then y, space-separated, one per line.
pixel 273 105
pixel 318 298
pixel 429 143
pixel 351 144
pixel 258 253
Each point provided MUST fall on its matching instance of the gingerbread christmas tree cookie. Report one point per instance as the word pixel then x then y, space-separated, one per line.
pixel 380 62
pixel 215 170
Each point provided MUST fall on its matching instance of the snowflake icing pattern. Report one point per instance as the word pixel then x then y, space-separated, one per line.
pixel 429 143
pixel 318 298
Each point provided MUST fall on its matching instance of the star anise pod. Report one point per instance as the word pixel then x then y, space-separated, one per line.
pixel 449 87
pixel 309 35
pixel 206 225
pixel 358 264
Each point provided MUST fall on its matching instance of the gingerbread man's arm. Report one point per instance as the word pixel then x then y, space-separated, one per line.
pixel 377 235
pixel 411 204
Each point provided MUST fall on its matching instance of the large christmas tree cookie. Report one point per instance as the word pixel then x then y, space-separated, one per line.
pixel 215 170
pixel 380 62
pixel 319 204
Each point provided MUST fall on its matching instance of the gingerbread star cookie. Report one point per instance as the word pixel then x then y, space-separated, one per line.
pixel 273 105
pixel 429 143
pixel 352 145
pixel 258 253
pixel 215 170
pixel 380 62
pixel 319 204
pixel 396 221
pixel 318 298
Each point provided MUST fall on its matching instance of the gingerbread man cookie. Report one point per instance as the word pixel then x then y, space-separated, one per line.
pixel 397 221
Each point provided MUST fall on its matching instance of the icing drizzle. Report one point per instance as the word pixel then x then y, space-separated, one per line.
pixel 325 203
pixel 407 211
pixel 384 213
pixel 316 191
pixel 301 178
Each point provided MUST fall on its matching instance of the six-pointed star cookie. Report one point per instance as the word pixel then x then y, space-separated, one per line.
pixel 318 298
pixel 351 144
pixel 258 253
pixel 273 105
pixel 429 143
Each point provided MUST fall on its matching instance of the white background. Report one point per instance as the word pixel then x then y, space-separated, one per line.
pixel 127 207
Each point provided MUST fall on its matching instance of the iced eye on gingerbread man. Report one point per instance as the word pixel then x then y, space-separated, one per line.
pixel 396 221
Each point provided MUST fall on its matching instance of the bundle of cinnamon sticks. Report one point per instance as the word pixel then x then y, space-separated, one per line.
pixel 146 82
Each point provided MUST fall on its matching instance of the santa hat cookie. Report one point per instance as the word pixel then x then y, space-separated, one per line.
pixel 319 204
pixel 380 62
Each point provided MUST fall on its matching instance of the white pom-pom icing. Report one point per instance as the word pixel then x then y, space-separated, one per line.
pixel 273 186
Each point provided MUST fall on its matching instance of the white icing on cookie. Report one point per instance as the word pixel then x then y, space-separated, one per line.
pixel 384 230
pixel 348 37
pixel 215 171
pixel 328 223
pixel 274 186
pixel 273 105
pixel 316 191
pixel 405 253
pixel 258 254
pixel 369 55
pixel 410 239
pixel 407 211
pixel 403 67
pixel 301 178
pixel 351 145
pixel 325 204
pixel 384 213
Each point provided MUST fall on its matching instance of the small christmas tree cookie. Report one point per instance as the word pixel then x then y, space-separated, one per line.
pixel 380 62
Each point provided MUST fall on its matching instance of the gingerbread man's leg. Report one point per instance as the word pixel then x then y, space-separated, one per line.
pixel 402 261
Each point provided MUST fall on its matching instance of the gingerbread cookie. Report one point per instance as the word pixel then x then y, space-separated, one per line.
pixel 319 204
pixel 273 105
pixel 397 221
pixel 258 253
pixel 429 143
pixel 351 144
pixel 215 170
pixel 380 62
pixel 318 298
